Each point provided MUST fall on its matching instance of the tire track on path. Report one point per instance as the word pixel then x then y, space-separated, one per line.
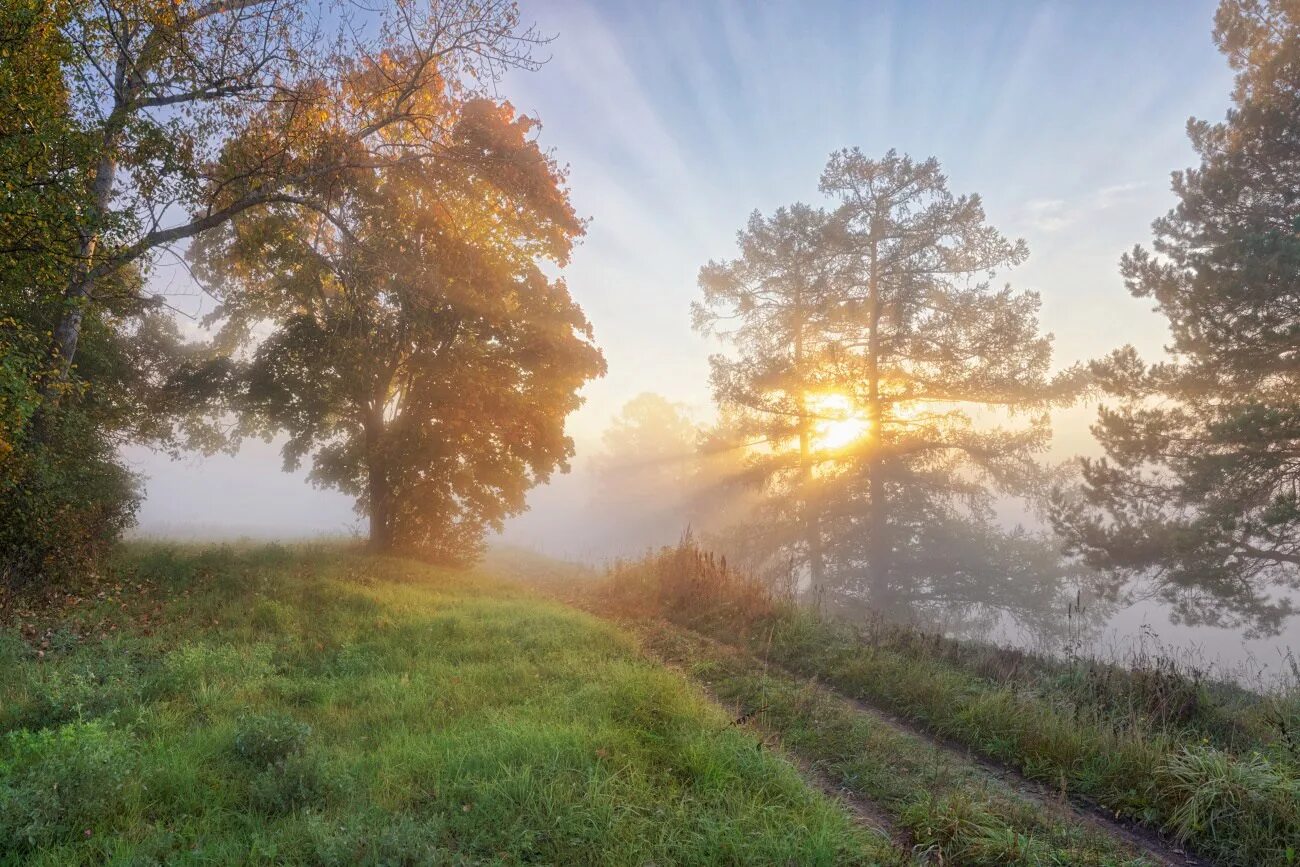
pixel 1140 839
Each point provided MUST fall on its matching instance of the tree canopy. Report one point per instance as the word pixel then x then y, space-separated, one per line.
pixel 129 130
pixel 419 352
pixel 875 382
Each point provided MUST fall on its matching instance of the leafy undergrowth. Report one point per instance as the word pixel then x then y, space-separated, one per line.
pixel 293 706
pixel 953 811
pixel 1221 771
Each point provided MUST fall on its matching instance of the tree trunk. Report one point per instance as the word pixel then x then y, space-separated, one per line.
pixel 378 485
pixel 76 295
pixel 812 524
pixel 878 547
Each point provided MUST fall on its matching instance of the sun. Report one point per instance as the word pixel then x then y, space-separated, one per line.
pixel 839 422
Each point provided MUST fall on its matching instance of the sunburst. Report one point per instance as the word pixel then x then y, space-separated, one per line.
pixel 839 422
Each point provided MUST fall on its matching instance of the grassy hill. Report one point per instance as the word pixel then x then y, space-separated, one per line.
pixel 311 705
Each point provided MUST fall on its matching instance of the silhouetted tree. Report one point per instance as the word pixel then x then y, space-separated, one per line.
pixel 772 304
pixel 926 343
pixel 877 362
pixel 1200 486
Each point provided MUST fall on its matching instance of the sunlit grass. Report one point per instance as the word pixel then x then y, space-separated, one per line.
pixel 950 809
pixel 1215 766
pixel 286 706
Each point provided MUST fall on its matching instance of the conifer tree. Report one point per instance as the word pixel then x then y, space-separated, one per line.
pixel 886 390
pixel 1200 486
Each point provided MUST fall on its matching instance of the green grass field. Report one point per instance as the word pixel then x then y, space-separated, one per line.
pixel 1211 766
pixel 313 706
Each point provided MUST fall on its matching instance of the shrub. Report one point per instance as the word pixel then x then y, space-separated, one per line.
pixel 293 782
pixel 65 498
pixel 1249 806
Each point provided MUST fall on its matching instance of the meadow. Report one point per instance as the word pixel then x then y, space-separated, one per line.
pixel 1206 769
pixel 311 705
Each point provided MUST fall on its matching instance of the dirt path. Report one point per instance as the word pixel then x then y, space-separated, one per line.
pixel 865 812
pixel 1140 839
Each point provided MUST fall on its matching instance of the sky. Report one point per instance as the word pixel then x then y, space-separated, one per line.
pixel 677 119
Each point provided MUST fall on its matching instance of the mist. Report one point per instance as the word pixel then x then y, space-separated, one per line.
pixel 661 210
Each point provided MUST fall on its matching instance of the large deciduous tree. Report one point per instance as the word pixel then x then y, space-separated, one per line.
pixel 129 127
pixel 158 86
pixel 418 349
pixel 1200 486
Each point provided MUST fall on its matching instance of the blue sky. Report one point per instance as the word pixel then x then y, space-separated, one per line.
pixel 679 118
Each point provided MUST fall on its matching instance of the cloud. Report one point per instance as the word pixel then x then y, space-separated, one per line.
pixel 1054 215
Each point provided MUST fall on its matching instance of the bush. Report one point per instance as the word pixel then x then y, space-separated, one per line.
pixel 64 499
pixel 1247 802
pixel 291 783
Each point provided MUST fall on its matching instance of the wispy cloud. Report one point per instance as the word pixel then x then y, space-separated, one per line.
pixel 1056 215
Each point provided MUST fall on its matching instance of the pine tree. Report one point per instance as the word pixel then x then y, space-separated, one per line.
pixel 1200 486
pixel 876 381
pixel 772 303
pixel 926 344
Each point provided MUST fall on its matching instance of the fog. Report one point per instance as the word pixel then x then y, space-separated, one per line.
pixel 1070 149
pixel 248 496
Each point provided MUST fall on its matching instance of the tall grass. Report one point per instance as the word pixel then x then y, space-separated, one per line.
pixel 1209 763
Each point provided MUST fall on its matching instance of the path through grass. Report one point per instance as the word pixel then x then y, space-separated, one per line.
pixel 295 706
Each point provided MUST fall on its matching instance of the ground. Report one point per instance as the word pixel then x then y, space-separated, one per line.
pixel 315 705
pixel 294 706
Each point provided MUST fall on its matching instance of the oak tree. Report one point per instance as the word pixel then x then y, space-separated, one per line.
pixel 419 351
pixel 158 87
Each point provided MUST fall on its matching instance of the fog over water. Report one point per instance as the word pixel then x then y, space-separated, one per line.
pixel 265 503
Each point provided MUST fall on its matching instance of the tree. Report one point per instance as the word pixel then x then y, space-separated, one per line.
pixel 64 494
pixel 646 477
pixel 156 87
pixel 1199 490
pixel 117 120
pixel 912 372
pixel 925 342
pixel 772 303
pixel 419 351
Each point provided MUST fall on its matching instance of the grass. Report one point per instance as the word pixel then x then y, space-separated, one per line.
pixel 314 706
pixel 952 810
pixel 1219 771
